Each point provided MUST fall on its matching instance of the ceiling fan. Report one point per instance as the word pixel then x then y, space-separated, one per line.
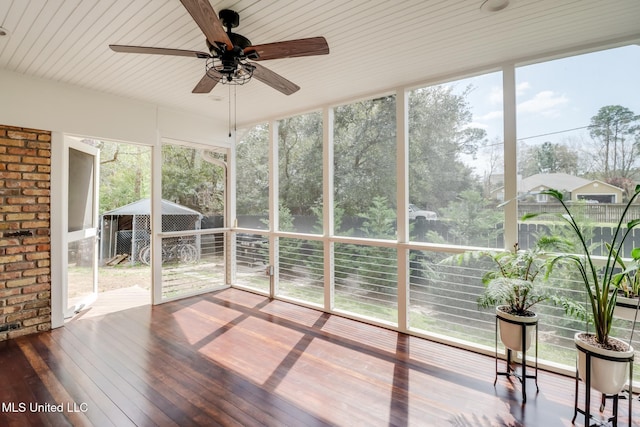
pixel 230 54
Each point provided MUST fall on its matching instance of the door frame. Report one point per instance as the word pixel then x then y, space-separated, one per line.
pixel 61 144
pixel 91 232
pixel 156 215
pixel 59 215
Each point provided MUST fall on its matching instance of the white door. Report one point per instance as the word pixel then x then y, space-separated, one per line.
pixel 81 285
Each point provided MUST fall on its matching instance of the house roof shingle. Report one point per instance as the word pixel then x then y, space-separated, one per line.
pixel 559 181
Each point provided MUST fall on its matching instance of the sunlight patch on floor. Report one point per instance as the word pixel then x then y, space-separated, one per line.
pixel 116 300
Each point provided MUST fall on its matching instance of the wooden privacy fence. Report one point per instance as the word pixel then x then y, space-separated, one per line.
pixel 599 235
pixel 592 212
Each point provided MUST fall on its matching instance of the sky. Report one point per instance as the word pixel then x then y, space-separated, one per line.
pixel 555 97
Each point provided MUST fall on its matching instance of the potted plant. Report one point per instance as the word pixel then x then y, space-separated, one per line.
pixel 600 282
pixel 628 286
pixel 516 285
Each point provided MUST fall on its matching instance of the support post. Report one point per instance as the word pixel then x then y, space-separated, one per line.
pixel 509 372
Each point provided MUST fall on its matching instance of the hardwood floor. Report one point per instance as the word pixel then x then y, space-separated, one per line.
pixel 234 358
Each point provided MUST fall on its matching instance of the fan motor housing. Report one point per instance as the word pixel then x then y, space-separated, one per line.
pixel 239 44
pixel 229 18
pixel 239 40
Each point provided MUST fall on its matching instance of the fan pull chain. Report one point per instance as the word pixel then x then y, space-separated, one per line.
pixel 235 111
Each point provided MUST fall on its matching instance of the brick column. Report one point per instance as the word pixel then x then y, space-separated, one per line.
pixel 25 243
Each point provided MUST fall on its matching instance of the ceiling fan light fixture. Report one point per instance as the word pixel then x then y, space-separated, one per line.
pixel 494 5
pixel 237 73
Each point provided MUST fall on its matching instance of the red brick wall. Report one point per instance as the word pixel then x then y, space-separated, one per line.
pixel 25 243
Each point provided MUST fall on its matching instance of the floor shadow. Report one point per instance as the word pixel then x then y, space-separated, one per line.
pixel 162 336
pixel 399 408
pixel 293 356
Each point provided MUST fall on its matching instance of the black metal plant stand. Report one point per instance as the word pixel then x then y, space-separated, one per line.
pixel 512 372
pixel 587 393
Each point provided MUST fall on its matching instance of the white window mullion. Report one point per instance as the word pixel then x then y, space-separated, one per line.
pixel 510 156
pixel 402 182
pixel 230 204
pixel 156 220
pixel 274 213
pixel 327 203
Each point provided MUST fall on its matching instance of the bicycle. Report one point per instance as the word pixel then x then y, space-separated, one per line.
pixel 185 253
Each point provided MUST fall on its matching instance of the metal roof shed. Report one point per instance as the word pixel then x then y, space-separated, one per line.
pixel 127 229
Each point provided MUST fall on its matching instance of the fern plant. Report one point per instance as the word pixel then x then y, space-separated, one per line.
pixel 516 280
pixel 519 276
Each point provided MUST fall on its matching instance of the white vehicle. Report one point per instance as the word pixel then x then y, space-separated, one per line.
pixel 417 213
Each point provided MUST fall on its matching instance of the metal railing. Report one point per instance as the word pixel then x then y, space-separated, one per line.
pixel 442 297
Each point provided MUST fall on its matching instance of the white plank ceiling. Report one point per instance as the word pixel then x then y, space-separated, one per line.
pixel 375 45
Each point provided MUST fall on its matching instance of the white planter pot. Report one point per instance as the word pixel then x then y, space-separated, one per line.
pixel 626 308
pixel 607 376
pixel 511 333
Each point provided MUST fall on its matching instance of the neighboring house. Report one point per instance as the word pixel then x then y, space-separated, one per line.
pixel 574 187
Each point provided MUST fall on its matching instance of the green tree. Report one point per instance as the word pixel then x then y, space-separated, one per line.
pixel 472 220
pixel 125 174
pixel 616 130
pixel 380 219
pixel 289 250
pixel 364 153
pixel 252 172
pixel 439 133
pixel 191 181
pixel 300 162
pixel 548 158
pixel 376 264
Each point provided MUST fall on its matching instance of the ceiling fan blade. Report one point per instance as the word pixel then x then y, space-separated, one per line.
pixel 291 48
pixel 273 79
pixel 158 51
pixel 205 85
pixel 207 19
